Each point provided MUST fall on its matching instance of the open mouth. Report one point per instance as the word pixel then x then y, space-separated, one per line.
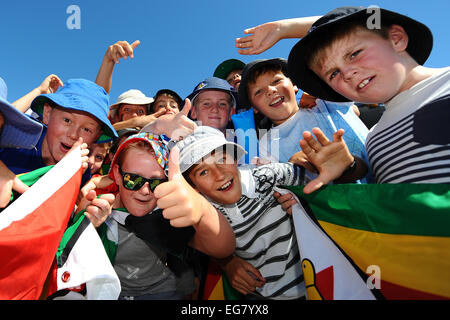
pixel 227 186
pixel 65 147
pixel 279 100
pixel 364 83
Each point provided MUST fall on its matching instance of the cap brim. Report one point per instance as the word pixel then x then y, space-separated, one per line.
pixel 224 69
pixel 419 47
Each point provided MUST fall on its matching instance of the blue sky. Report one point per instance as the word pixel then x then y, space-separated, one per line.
pixel 182 42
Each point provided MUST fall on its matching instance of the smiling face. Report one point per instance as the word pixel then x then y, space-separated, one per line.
pixel 64 127
pixel 217 177
pixel 213 108
pixel 365 67
pixel 273 94
pixel 137 160
pixel 163 101
pixel 234 78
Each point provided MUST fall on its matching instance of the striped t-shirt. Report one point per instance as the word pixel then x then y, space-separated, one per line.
pixel 411 142
pixel 265 235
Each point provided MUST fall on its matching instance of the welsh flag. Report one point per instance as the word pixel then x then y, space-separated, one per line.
pixel 375 241
pixel 31 229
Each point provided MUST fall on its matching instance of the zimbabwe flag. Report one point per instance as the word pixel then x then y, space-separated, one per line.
pixel 375 241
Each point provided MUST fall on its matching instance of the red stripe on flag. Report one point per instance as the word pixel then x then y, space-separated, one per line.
pixel 392 291
pixel 28 246
pixel 213 277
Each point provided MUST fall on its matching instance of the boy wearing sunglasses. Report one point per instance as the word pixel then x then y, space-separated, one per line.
pixel 139 235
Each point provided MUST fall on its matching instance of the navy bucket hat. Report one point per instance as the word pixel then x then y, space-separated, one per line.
pixel 81 95
pixel 419 45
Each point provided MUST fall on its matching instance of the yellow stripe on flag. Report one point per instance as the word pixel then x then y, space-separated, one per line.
pixel 417 262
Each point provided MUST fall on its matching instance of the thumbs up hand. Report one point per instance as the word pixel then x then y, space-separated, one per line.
pixel 181 204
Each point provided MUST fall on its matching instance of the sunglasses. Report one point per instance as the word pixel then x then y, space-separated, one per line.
pixel 134 182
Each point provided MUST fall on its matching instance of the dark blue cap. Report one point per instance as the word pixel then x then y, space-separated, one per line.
pixel 214 83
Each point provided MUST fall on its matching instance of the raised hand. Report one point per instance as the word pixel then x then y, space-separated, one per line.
pixel 259 39
pixel 175 126
pixel 331 159
pixel 50 84
pixel 121 49
pixel 181 204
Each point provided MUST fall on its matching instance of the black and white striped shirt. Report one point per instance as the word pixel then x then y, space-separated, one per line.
pixel 411 142
pixel 265 235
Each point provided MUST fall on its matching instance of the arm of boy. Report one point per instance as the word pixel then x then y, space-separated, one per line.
pixel 331 159
pixel 184 206
pixel 138 122
pixel 9 182
pixel 244 277
pixel 50 84
pixel 264 36
pixel 121 49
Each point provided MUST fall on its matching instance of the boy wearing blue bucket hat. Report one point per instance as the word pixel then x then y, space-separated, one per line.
pixel 79 109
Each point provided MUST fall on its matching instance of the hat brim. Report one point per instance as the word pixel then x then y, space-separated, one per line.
pixel 109 133
pixel 194 153
pixel 251 67
pixel 19 130
pixel 419 47
pixel 224 69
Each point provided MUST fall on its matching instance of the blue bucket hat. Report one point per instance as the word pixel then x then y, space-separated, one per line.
pixel 81 95
pixel 19 130
pixel 214 83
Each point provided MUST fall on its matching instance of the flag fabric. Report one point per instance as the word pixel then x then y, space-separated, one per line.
pixel 32 226
pixel 375 241
pixel 41 255
pixel 82 262
pixel 217 285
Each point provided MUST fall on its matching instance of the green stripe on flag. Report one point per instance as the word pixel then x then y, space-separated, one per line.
pixel 414 209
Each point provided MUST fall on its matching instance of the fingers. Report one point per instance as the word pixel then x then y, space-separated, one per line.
pixel 321 138
pixel 122 49
pixel 313 185
pixel 187 107
pixel 100 208
pixel 19 186
pixel 159 113
pixel 337 136
pixel 174 164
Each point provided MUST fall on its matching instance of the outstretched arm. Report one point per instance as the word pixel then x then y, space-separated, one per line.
pixel 121 49
pixel 50 84
pixel 264 36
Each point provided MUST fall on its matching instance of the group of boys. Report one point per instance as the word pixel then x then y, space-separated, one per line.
pixel 179 175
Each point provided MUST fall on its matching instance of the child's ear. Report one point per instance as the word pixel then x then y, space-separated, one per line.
pixel 47 110
pixel 193 112
pixel 295 89
pixel 116 174
pixel 398 37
